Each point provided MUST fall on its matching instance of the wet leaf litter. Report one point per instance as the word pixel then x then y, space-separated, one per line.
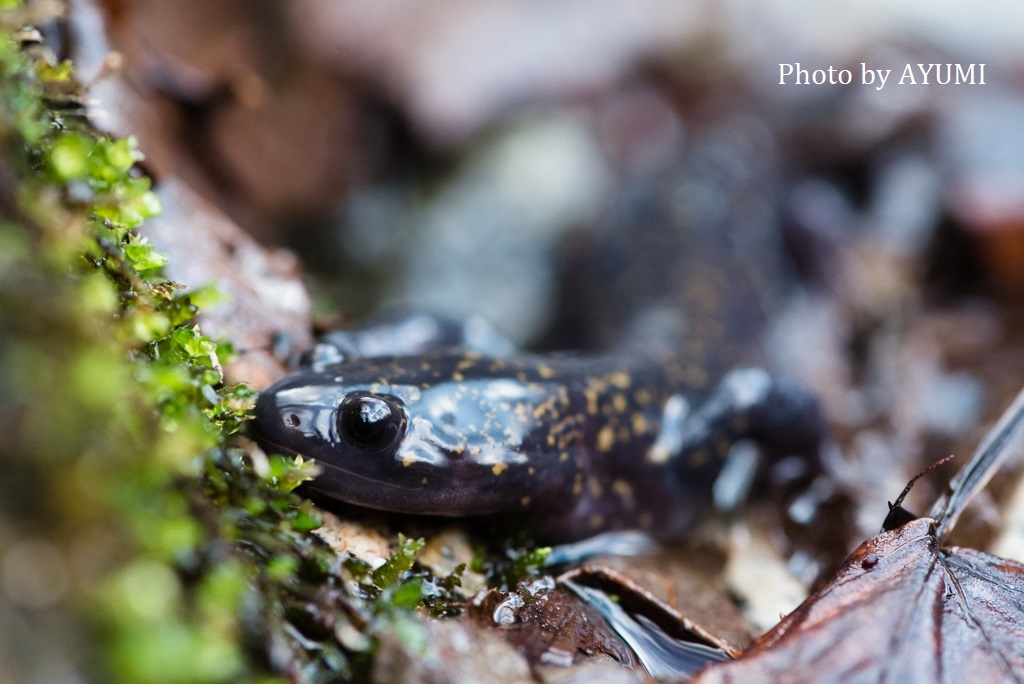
pixel 905 608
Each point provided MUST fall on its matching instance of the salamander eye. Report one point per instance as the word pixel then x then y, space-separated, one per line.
pixel 369 422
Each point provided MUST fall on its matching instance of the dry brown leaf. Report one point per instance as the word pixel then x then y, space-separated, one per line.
pixel 903 608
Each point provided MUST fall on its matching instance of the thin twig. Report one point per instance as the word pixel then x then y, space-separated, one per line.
pixel 987 459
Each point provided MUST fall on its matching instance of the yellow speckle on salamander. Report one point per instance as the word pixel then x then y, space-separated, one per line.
pixel 499 468
pixel 619 379
pixel 624 490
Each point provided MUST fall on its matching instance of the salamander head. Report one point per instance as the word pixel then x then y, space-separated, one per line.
pixel 417 442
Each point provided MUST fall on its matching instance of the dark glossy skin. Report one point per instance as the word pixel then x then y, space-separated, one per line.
pixel 442 419
pixel 591 443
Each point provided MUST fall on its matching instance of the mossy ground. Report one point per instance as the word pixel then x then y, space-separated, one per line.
pixel 142 540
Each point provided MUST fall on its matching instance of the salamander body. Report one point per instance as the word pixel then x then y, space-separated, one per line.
pixel 426 415
pixel 590 443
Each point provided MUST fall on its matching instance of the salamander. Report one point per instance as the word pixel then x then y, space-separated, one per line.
pixel 443 418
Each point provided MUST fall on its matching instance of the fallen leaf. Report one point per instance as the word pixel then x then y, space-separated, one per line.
pixel 900 609
pixel 665 641
pixel 903 608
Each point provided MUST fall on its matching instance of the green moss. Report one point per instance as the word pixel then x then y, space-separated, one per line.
pixel 506 567
pixel 68 156
pixel 399 563
pixel 143 256
pixel 191 555
pixel 119 450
